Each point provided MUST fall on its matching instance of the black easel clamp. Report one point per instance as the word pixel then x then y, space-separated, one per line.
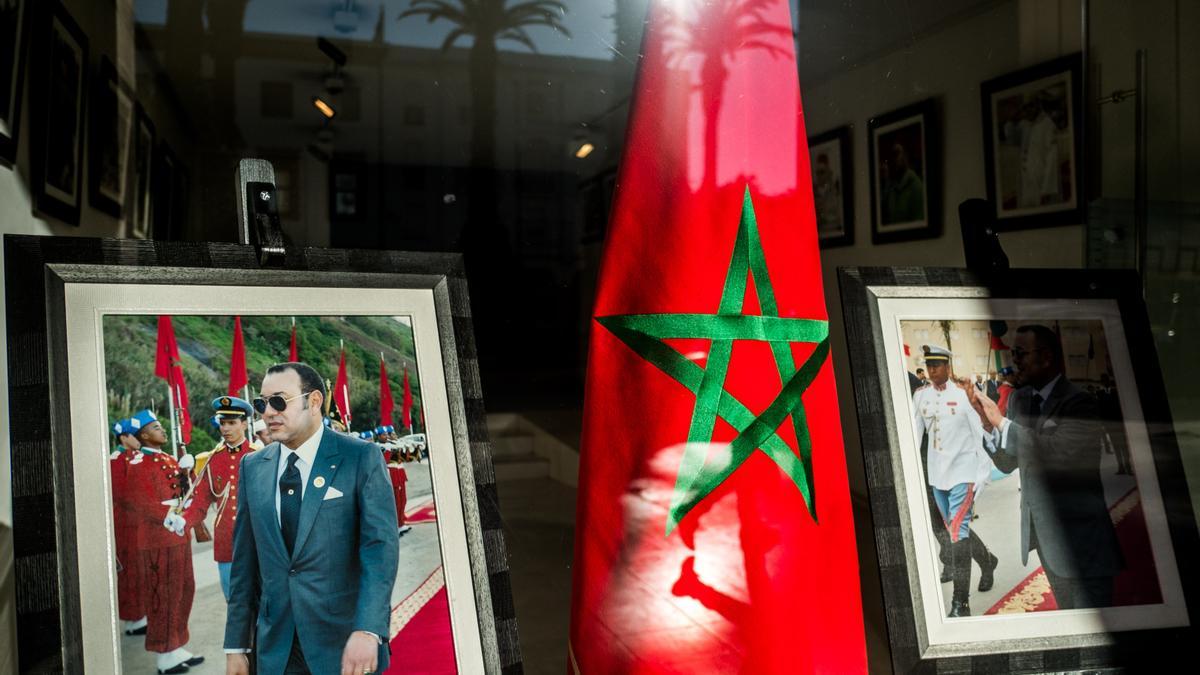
pixel 258 211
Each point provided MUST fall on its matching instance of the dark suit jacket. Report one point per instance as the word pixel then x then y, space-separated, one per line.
pixel 1062 497
pixel 338 579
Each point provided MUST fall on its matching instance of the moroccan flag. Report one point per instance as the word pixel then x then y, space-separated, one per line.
pixel 294 348
pixel 996 344
pixel 341 389
pixel 386 403
pixel 169 367
pixel 714 509
pixel 406 403
pixel 238 378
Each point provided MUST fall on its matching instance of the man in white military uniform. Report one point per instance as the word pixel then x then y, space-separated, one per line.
pixel 957 467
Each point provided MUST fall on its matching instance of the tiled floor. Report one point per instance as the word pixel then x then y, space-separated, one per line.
pixel 539 529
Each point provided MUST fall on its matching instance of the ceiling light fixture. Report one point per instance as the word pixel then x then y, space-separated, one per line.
pixel 584 150
pixel 325 109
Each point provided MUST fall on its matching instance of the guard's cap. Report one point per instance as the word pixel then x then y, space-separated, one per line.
pixel 1007 370
pixel 366 435
pixel 259 425
pixel 122 427
pixel 141 419
pixel 232 406
pixel 935 354
pixel 381 430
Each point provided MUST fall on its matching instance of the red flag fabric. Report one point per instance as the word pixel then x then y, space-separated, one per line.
pixel 294 348
pixel 341 390
pixel 238 377
pixel 406 403
pixel 713 506
pixel 169 367
pixel 996 344
pixel 386 402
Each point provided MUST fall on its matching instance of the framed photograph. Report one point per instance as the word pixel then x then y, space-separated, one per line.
pixel 347 191
pixel 112 140
pixel 142 224
pixel 906 174
pixel 1032 134
pixel 14 22
pixel 85 329
pixel 1030 508
pixel 57 110
pixel 833 186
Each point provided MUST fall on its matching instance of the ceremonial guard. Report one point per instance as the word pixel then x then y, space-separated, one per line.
pixel 216 483
pixel 156 484
pixel 957 467
pixel 130 608
pixel 399 478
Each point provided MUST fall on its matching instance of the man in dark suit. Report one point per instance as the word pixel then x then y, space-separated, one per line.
pixel 315 545
pixel 1052 434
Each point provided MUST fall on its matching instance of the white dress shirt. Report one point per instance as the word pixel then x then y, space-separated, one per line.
pixel 308 455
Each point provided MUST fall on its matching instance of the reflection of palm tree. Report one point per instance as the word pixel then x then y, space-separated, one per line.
pixel 705 32
pixel 487 22
pixel 946 327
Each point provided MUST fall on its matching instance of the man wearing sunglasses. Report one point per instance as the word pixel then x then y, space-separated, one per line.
pixel 315 546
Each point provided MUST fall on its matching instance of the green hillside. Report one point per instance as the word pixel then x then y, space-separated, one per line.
pixel 206 344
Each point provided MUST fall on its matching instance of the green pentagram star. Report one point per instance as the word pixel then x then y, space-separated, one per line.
pixel 645 334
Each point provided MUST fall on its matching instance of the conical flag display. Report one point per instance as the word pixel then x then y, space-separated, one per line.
pixel 716 532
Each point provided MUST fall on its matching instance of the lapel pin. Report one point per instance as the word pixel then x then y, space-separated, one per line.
pixel 319 481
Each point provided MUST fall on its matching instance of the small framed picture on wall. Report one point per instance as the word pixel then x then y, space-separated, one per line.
pixel 58 100
pixel 906 174
pixel 833 186
pixel 1031 140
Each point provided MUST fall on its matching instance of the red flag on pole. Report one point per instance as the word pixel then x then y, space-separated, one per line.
pixel 406 403
pixel 720 536
pixel 996 344
pixel 341 390
pixel 238 377
pixel 169 367
pixel 386 402
pixel 294 348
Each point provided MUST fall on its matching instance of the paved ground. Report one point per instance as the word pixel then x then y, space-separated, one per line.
pixel 419 556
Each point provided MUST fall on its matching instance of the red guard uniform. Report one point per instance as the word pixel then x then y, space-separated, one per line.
pixel 125 524
pixel 166 558
pixel 218 485
pixel 399 486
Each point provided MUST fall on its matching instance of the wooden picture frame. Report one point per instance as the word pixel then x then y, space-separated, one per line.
pixel 1103 329
pixel 61 289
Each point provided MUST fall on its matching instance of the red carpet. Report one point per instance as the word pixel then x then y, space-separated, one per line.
pixel 425 513
pixel 1137 584
pixel 421 638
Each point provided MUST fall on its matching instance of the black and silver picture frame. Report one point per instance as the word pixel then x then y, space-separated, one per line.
pixel 65 299
pixel 1018 533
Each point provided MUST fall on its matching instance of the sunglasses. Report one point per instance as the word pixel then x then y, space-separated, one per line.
pixel 277 402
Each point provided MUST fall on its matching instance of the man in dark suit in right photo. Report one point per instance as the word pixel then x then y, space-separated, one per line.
pixel 1052 433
